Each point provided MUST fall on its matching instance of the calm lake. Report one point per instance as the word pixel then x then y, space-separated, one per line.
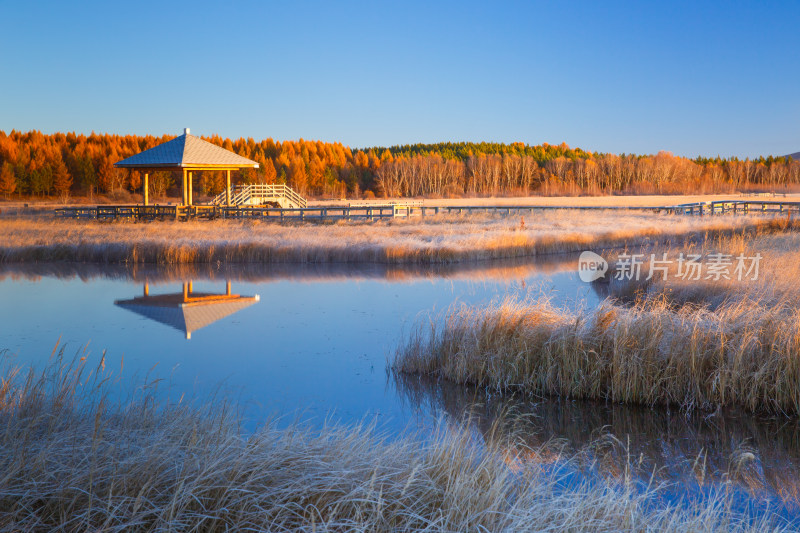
pixel 314 343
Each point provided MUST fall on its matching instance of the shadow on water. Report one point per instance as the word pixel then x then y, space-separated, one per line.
pixel 691 451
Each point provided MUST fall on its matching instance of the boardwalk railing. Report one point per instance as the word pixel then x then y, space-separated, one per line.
pixel 112 212
pixel 399 210
pixel 401 203
pixel 735 206
pixel 261 194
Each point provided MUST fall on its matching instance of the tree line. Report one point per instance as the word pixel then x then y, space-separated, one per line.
pixel 68 164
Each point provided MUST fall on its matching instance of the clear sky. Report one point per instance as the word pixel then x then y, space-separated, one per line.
pixel 694 78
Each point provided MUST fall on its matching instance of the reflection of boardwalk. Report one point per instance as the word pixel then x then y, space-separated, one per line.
pixel 187 311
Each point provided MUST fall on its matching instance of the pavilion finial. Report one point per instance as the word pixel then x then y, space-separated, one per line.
pixel 186 131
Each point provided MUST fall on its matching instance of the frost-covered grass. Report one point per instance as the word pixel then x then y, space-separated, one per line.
pixel 440 239
pixel 694 344
pixel 775 284
pixel 739 355
pixel 73 459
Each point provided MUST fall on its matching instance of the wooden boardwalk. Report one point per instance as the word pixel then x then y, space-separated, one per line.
pixel 399 210
pixel 735 207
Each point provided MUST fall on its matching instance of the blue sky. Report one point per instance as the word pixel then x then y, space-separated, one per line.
pixel 694 78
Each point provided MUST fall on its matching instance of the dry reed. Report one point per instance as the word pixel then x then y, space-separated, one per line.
pixel 691 343
pixel 741 354
pixel 74 459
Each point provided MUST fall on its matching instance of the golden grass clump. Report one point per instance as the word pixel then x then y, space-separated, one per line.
pixel 741 354
pixel 73 458
pixel 690 343
pixel 775 285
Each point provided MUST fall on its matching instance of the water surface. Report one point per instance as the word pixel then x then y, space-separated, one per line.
pixel 317 342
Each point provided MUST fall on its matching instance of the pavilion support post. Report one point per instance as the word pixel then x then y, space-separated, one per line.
pixel 228 188
pixel 146 188
pixel 183 184
pixel 190 188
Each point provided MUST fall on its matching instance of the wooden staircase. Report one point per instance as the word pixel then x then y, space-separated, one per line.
pixel 260 195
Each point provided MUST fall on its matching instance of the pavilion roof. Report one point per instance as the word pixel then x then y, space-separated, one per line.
pixel 186 151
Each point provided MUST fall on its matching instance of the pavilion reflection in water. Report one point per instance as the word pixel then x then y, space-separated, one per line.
pixel 187 311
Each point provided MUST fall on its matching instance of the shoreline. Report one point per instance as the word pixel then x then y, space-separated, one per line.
pixel 436 240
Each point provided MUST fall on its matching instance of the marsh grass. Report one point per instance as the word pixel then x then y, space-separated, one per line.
pixel 742 354
pixel 75 459
pixel 693 344
pixel 776 283
pixel 440 239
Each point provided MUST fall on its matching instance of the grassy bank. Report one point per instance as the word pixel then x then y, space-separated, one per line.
pixel 440 239
pixel 694 344
pixel 743 356
pixel 73 459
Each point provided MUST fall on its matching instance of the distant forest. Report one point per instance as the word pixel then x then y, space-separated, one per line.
pixel 61 165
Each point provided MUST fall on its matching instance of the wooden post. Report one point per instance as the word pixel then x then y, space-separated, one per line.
pixel 228 188
pixel 183 184
pixel 228 287
pixel 146 175
pixel 190 188
pixel 185 292
pixel 191 289
pixel 146 289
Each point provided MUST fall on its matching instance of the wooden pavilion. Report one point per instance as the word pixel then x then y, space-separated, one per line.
pixel 189 154
pixel 187 311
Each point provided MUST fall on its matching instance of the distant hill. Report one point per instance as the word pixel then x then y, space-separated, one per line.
pixel 795 156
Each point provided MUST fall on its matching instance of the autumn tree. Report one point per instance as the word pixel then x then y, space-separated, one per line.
pixel 8 181
pixel 270 174
pixel 297 177
pixel 109 178
pixel 159 183
pixel 62 181
pixel 134 180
